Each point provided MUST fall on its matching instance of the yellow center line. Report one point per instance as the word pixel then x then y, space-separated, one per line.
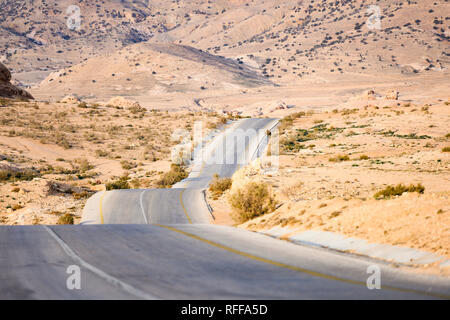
pixel 182 205
pixel 101 206
pixel 298 269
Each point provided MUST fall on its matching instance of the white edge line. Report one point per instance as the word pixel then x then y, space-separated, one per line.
pixel 110 279
pixel 142 206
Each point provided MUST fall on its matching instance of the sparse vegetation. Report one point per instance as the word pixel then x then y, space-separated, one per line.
pixel 18 174
pixel 127 165
pixel 398 190
pixel 293 143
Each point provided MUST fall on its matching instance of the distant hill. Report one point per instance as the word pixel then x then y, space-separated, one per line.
pixel 151 69
pixel 286 39
pixel 35 37
pixel 222 45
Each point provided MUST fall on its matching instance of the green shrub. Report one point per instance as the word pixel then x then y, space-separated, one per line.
pixel 252 200
pixel 66 219
pixel 446 149
pixel 176 174
pixel 219 185
pixel 398 190
pixel 363 157
pixel 121 183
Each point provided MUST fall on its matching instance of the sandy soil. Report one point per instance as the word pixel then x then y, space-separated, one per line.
pixel 81 147
pixel 386 144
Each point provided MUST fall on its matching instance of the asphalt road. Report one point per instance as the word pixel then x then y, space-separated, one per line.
pixel 184 203
pixel 188 262
pixel 158 244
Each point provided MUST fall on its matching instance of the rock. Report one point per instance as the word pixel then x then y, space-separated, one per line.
pixel 370 95
pixel 70 99
pixel 5 75
pixel 281 106
pixel 7 89
pixel 124 103
pixel 392 94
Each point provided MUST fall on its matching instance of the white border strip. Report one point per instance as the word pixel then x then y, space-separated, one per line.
pixel 110 279
pixel 142 206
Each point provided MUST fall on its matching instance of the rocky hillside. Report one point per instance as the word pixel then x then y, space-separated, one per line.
pixel 41 36
pixel 287 39
pixel 322 39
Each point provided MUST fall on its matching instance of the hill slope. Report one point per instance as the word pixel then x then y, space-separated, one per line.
pixel 149 69
pixel 316 52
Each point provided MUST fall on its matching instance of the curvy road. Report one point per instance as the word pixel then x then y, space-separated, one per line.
pixel 159 244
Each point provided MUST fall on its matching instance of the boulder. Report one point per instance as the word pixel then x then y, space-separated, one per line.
pixel 5 75
pixel 7 89
pixel 370 95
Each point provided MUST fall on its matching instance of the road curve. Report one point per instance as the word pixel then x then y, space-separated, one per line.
pixel 184 203
pixel 158 244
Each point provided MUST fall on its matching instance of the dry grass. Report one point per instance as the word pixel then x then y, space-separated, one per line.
pixel 121 183
pixel 66 219
pixel 176 174
pixel 398 190
pixel 219 185
pixel 17 174
pixel 339 158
